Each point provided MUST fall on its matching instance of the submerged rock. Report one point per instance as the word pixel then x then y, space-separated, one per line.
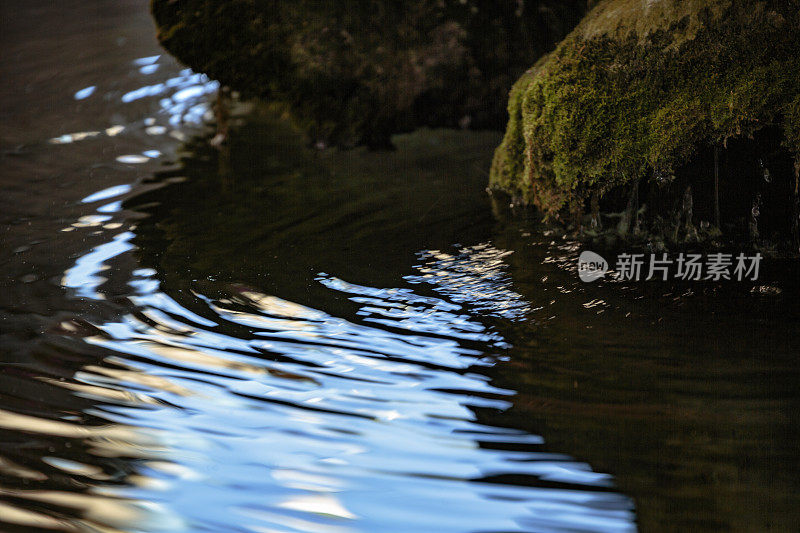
pixel 670 101
pixel 357 71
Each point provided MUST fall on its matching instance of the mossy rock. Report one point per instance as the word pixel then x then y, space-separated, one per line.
pixel 641 89
pixel 357 71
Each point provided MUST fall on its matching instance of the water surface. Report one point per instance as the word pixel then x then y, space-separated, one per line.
pixel 269 337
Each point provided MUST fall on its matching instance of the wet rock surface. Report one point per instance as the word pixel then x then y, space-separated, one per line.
pixel 356 72
pixel 681 117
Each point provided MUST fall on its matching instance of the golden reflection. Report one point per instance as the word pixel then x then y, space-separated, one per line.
pixel 109 433
pixel 135 376
pixel 102 393
pixel 275 306
pixel 103 513
pixel 25 518
pixel 13 469
pixel 264 322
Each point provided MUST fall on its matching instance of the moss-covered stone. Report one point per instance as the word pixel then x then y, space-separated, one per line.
pixel 640 89
pixel 357 71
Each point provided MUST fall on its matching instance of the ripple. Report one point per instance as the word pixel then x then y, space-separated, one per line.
pixel 197 406
pixel 247 408
pixel 474 274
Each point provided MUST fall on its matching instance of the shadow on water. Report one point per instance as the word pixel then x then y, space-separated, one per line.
pixel 268 210
pixel 686 393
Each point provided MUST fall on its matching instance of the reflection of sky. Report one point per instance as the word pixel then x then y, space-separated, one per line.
pixel 304 421
pixel 182 104
pixel 181 99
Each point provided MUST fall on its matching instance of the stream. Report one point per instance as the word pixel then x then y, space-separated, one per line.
pixel 267 337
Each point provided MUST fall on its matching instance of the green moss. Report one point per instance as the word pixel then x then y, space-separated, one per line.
pixel 506 166
pixel 620 99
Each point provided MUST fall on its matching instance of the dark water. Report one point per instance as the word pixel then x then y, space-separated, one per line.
pixel 272 338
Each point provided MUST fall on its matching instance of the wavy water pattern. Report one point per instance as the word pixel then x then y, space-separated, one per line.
pixel 249 409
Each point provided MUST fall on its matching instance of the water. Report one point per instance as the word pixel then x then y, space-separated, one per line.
pixel 272 338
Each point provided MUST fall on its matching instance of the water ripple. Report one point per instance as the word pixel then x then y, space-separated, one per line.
pixel 219 406
pixel 245 408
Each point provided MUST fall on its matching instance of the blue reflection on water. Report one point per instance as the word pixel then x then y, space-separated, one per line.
pixel 84 277
pixel 279 417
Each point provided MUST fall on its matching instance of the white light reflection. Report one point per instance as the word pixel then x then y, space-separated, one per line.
pixel 84 276
pixel 331 424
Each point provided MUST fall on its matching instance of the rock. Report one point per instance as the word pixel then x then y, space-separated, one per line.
pixel 645 91
pixel 355 72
